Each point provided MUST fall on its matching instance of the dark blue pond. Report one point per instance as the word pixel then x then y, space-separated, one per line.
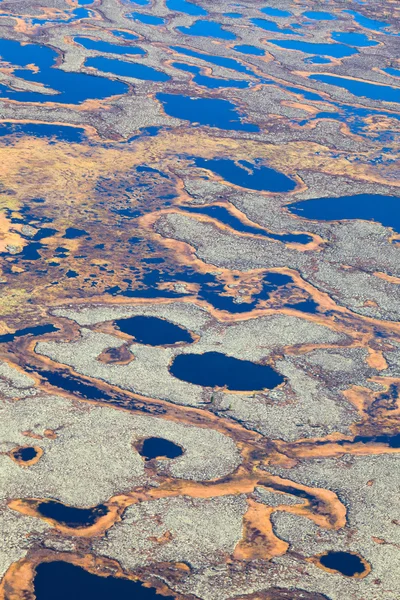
pixel 220 61
pixel 209 82
pixel 222 214
pixel 205 111
pixel 72 88
pixel 335 50
pixel 154 331
pixel 275 12
pixel 319 15
pixel 207 29
pixel 35 330
pixel 101 46
pixel 76 15
pixel 343 562
pixel 69 515
pixel 374 91
pixel 372 24
pixel 368 207
pixel 188 8
pixel 252 50
pixel 232 15
pixel 63 133
pixel 125 35
pixel 24 453
pixel 146 19
pixel 259 178
pixel 353 39
pixel 268 25
pixel 317 60
pixel 214 369
pixel 155 447
pixel 126 69
pixel 74 582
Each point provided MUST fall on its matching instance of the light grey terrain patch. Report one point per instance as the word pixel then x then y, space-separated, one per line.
pixel 18 535
pixel 270 498
pixel 92 457
pixel 201 532
pixel 14 383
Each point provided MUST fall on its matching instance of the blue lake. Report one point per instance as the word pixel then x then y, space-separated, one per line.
pixel 207 29
pixel 353 39
pixel 317 60
pixel 275 12
pixel 374 91
pixel 209 82
pixel 101 46
pixel 271 26
pixel 319 15
pixel 213 369
pixel 253 176
pixel 146 19
pixel 62 133
pixel 335 50
pixel 153 331
pixel 188 8
pixel 252 50
pixel 392 71
pixel 126 69
pixel 125 35
pixel 205 111
pixel 71 88
pixel 366 22
pixel 368 207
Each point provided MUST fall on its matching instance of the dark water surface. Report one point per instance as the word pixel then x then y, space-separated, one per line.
pixel 36 330
pixel 24 454
pixel 153 331
pixel 155 447
pixel 368 207
pixel 213 369
pixel 71 516
pixel 344 562
pixel 64 581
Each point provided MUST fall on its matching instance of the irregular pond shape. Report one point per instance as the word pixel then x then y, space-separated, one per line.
pixel 268 25
pixel 146 19
pixel 306 306
pixel 37 330
pixel 367 207
pixel 317 60
pixel 346 563
pixel 275 12
pixel 69 515
pixel 71 233
pixel 335 50
pixel 126 69
pixel 253 176
pixel 76 15
pixel 24 453
pixel 63 133
pixel 74 582
pixel 219 61
pixel 207 29
pixel 154 331
pixel 138 2
pixel 101 46
pixel 125 35
pixel 155 447
pixel 72 384
pixel 72 88
pixel 366 22
pixel 205 111
pixel 188 8
pixel 252 50
pixel 319 15
pixel 85 2
pixel 223 215
pixel 210 82
pixel 353 39
pixel 373 91
pixel 392 71
pixel 213 369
